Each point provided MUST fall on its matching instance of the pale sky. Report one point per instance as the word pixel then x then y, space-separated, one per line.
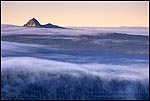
pixel 98 14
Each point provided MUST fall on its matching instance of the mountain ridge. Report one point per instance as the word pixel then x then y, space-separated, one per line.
pixel 35 23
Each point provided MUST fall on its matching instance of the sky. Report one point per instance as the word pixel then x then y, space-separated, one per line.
pixel 79 13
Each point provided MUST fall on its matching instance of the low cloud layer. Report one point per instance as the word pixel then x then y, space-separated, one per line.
pixel 136 69
pixel 35 78
pixel 131 72
pixel 10 29
pixel 32 71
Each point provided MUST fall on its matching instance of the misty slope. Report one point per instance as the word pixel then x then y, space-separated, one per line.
pixel 31 77
pixel 73 64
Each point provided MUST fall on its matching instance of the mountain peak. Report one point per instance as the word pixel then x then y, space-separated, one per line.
pixel 33 19
pixel 34 23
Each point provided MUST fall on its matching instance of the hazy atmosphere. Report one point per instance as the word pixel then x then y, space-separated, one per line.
pixel 74 50
pixel 98 14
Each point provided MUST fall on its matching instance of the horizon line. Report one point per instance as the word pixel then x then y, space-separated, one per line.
pixel 82 26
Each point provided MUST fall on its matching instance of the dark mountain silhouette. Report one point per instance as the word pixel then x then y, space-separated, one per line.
pixel 49 25
pixel 34 23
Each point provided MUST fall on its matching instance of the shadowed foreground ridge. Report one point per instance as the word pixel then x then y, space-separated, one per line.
pixel 50 86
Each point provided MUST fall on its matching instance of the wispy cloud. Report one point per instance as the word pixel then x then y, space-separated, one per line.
pixel 106 71
pixel 8 29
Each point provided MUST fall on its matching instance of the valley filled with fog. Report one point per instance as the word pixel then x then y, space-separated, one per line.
pixel 74 63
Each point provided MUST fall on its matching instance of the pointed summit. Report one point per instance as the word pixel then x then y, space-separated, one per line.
pixel 33 23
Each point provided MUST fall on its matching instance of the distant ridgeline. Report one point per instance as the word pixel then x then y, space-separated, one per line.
pixel 34 23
